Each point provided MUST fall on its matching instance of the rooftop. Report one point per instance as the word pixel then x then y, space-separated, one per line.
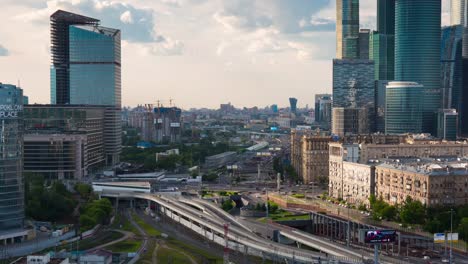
pixel 446 166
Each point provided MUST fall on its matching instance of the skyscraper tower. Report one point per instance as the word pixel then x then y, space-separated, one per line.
pixel 293 104
pixel 417 51
pixel 347 29
pixel 86 61
pixel 382 41
pixel 11 158
pixel 458 12
pixel 386 17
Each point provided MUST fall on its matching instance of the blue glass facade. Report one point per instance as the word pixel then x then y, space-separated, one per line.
pixel 417 51
pixel 403 108
pixel 451 72
pixel 347 29
pixel 95 74
pixel 11 162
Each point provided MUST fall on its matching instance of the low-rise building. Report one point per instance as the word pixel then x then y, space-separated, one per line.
pixel 219 160
pixel 433 182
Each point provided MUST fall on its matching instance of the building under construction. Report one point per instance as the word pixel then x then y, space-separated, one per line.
pixel 157 124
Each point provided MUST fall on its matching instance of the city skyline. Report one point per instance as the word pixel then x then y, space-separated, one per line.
pixel 240 56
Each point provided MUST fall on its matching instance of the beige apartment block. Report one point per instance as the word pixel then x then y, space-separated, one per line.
pixel 309 155
pixel 434 182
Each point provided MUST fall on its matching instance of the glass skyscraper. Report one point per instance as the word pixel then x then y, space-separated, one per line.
pixel 11 160
pixel 347 29
pixel 452 62
pixel 417 51
pixel 382 41
pixel 403 108
pixel 86 61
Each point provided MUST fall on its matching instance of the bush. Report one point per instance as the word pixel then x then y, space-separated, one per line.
pixel 298 195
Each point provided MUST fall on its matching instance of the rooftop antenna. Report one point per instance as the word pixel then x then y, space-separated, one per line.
pixel 171 101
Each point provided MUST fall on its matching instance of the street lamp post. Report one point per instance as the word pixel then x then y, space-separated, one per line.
pixel 451 235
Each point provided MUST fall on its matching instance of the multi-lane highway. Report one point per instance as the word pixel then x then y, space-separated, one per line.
pixel 209 221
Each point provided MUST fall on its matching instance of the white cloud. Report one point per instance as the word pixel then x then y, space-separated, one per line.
pixel 126 17
pixel 3 51
pixel 221 47
pixel 171 3
pixel 165 47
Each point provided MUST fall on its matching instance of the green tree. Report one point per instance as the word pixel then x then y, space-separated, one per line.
pixel 412 212
pixel 463 228
pixel 227 205
pixel 389 212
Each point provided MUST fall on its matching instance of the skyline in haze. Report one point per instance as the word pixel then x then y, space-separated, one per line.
pixel 201 53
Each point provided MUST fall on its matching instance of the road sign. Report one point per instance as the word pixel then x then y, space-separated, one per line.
pixel 439 238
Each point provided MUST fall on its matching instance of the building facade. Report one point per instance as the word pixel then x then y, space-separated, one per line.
pixel 417 50
pixel 353 96
pixel 309 155
pixel 85 61
pixel 458 12
pixel 323 108
pixel 293 104
pixel 349 121
pixel 56 156
pixel 11 158
pixel 99 124
pixel 452 68
pixel 447 124
pixel 403 108
pixel 432 182
pixel 380 93
pixel 347 29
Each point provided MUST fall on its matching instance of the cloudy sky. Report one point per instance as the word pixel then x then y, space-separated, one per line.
pixel 198 52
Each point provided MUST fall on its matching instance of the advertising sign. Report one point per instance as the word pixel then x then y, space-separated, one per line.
pixel 452 237
pixel 380 236
pixel 439 238
pixel 10 111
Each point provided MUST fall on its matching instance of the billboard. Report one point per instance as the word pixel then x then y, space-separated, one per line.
pixel 452 237
pixel 439 238
pixel 380 236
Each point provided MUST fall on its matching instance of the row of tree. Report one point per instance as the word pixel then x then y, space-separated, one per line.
pixel 432 219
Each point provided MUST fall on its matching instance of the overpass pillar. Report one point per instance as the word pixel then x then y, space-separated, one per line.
pixel 117 203
pixel 298 245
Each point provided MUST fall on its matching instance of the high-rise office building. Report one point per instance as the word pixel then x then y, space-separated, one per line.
pixel 447 124
pixel 353 83
pixel 458 12
pixel 323 106
pixel 417 50
pixel 382 41
pixel 351 121
pixel 403 113
pixel 11 159
pixel 464 110
pixel 86 61
pixel 380 90
pixel 364 35
pixel 451 71
pixel 293 104
pixel 386 17
pixel 347 29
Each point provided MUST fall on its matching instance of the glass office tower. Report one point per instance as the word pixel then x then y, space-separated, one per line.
pixel 382 41
pixel 94 65
pixel 60 23
pixel 11 158
pixel 452 62
pixel 403 108
pixel 417 51
pixel 386 17
pixel 86 61
pixel 347 29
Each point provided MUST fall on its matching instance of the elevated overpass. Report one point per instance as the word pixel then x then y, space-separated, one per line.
pixel 209 223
